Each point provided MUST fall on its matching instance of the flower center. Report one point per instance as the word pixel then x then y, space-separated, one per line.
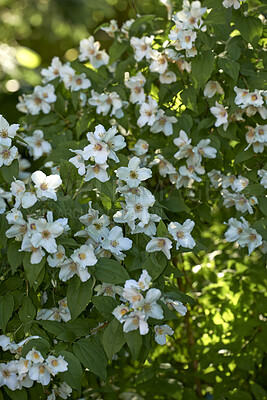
pixel 161 243
pixel 6 373
pixel 54 363
pixel 46 234
pixel 114 243
pixel 82 256
pixel 44 186
pixel 133 175
pixel 180 234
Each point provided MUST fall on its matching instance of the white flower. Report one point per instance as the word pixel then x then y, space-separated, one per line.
pixel 7 132
pixel 80 82
pixel 159 63
pixel 108 289
pixel 69 268
pixel 186 38
pixel 120 312
pixel 56 364
pixel 97 149
pixel 147 113
pixel 160 333
pixel 78 161
pixel 46 185
pixel 8 375
pixel 97 171
pixel 45 235
pixel 37 253
pixel 35 356
pixel 142 47
pixel 204 150
pixel 84 256
pixel 220 114
pixel 53 71
pixel 149 304
pixel 40 99
pixel 142 284
pixel 160 244
pixel 26 199
pixel 89 50
pixel 240 183
pixel 37 145
pixel 141 147
pixel 263 174
pixel 250 238
pixel 211 88
pixel 168 77
pixel 163 123
pixel 181 233
pixel 136 320
pixel 136 83
pixel 175 305
pixel 232 3
pixel 133 174
pixel 234 231
pixel 7 155
pixel 165 167
pixel 40 373
pixel 111 28
pixel 116 243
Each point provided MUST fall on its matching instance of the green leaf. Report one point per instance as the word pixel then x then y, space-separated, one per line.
pixel 250 28
pixel 134 341
pixel 92 356
pixel 244 155
pixel 10 172
pixel 32 270
pixel 14 256
pixel 60 104
pixel 189 98
pixel 110 271
pixel 40 344
pixel 16 394
pixel 73 376
pixel 27 311
pixel 230 67
pixel 113 338
pixel 162 229
pixel 6 309
pixel 258 391
pixel 59 329
pixel 78 295
pixel 105 305
pixel 69 175
pixel 82 125
pixel 155 264
pixel 116 50
pixel 202 67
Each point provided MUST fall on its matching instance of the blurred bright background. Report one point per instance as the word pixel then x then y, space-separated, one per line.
pixel 32 32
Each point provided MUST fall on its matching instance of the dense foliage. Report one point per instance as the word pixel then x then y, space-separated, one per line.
pixel 133 214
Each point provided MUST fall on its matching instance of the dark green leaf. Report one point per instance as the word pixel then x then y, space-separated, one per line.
pixel 78 294
pixel 113 338
pixel 6 309
pixel 92 356
pixel 110 271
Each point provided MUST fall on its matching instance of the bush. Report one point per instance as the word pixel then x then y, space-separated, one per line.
pixel 133 211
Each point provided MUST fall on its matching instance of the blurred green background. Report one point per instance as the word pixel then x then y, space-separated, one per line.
pixel 32 32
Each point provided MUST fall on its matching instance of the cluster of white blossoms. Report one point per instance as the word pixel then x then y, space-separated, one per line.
pixel 43 189
pixel 243 234
pixel 251 102
pixel 187 22
pixel 237 185
pixel 36 234
pixel 41 100
pixel 23 372
pixel 139 303
pixel 102 236
pixel 66 74
pixel 8 153
pixel 103 146
pixel 89 51
pixel 61 313
pixel 108 102
pixel 257 137
pixel 194 155
pixel 263 174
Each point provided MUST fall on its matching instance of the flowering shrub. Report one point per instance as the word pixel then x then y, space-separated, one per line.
pixel 112 181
